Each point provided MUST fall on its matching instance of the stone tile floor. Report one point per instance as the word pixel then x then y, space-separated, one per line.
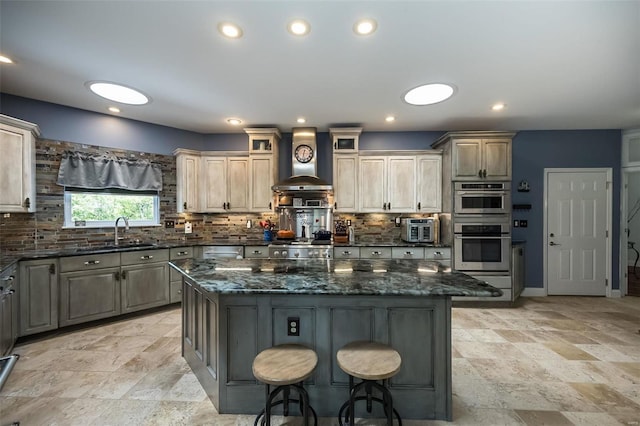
pixel 548 361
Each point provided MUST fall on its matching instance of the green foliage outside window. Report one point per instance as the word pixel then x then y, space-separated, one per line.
pixel 101 208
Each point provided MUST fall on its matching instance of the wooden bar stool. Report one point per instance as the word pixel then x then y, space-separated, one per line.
pixel 371 362
pixel 286 367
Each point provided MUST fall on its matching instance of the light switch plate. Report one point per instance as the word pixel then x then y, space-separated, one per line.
pixel 188 228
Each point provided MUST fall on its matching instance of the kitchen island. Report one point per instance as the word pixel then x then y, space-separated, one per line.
pixel 233 309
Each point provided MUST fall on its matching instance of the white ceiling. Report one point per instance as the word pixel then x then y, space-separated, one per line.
pixel 557 65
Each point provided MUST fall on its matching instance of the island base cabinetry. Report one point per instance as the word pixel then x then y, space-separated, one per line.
pixel 222 333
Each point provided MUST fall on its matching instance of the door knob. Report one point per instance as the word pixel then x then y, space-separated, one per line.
pixel 553 244
pixel 551 234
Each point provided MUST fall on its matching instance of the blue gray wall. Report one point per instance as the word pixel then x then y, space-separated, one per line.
pixel 533 151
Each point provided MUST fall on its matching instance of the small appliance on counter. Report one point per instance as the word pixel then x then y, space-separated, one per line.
pixel 417 230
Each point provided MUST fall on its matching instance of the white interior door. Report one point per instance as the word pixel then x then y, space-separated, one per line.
pixel 577 219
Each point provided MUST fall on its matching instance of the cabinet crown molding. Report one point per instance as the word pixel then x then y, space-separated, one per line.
pixel 473 134
pixel 263 131
pixel 376 152
pixel 182 151
pixel 21 124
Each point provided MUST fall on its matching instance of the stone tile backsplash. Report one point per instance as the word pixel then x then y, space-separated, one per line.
pixel 44 229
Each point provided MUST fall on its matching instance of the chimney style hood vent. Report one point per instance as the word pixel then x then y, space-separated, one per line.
pixel 303 162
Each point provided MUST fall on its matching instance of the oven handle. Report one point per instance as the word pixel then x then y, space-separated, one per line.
pixel 460 237
pixel 481 193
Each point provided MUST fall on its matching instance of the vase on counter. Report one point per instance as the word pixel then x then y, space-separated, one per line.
pixel 268 235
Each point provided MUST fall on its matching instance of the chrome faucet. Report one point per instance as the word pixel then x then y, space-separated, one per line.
pixel 126 228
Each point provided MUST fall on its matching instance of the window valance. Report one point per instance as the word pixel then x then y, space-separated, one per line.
pixel 81 170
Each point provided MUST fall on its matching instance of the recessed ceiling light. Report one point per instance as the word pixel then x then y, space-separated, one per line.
pixel 365 26
pixel 428 94
pixel 117 93
pixel 5 59
pixel 498 107
pixel 299 27
pixel 301 120
pixel 230 30
pixel 234 121
pixel 114 109
pixel 389 118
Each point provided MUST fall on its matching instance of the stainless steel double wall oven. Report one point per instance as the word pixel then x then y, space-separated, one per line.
pixel 482 227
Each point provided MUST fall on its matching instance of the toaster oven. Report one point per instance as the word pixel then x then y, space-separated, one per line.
pixel 417 230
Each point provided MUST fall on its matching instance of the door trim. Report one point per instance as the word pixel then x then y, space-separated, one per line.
pixel 624 208
pixel 545 236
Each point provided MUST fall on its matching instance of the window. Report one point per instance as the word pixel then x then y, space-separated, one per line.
pixel 95 209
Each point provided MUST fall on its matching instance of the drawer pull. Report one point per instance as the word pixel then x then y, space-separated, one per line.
pixel 147 257
pixel 182 253
pixel 408 253
pixel 375 253
pixel 92 262
pixel 9 278
pixel 257 252
pixel 346 253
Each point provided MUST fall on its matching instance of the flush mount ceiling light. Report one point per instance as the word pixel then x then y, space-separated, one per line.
pixel 230 30
pixel 498 107
pixel 5 59
pixel 428 94
pixel 365 26
pixel 114 109
pixel 299 27
pixel 234 121
pixel 117 93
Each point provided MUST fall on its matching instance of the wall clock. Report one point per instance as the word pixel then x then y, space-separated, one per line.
pixel 303 153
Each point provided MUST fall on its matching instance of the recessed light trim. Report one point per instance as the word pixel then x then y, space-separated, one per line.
pixel 230 30
pixel 5 59
pixel 234 121
pixel 389 118
pixel 365 27
pixel 299 27
pixel 301 120
pixel 114 109
pixel 498 107
pixel 118 93
pixel 428 94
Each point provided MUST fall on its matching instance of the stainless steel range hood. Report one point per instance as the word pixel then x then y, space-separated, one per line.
pixel 304 166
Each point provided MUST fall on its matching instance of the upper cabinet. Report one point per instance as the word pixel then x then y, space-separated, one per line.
pixel 429 192
pixel 263 167
pixel 225 183
pixel 345 176
pixel 17 165
pixel 187 181
pixel 472 156
pixel 229 181
pixel 387 184
pixel 345 139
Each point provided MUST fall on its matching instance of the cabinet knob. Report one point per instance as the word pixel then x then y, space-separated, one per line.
pixel 27 202
pixel 52 268
pixel 270 206
pixel 117 276
pixel 389 206
pixel 124 275
pixel 419 205
pixel 480 173
pixel 185 205
pixel 335 205
pixel 484 173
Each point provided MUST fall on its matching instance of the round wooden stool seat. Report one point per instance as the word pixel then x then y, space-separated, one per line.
pixel 369 360
pixel 284 364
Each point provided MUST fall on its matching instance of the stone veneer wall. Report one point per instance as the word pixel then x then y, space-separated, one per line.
pixel 44 229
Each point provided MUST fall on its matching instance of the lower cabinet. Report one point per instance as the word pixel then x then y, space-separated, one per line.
pixel 144 279
pixel 38 295
pixel 89 295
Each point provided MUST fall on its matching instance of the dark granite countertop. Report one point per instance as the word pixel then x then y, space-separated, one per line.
pixel 7 259
pixel 331 277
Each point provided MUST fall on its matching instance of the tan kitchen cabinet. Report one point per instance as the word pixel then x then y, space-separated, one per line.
pixel 175 277
pixel 387 184
pixel 263 167
pixel 477 156
pixel 17 165
pixel 89 288
pixel 38 294
pixel 345 179
pixel 187 180
pixel 429 192
pixel 144 279
pixel 224 183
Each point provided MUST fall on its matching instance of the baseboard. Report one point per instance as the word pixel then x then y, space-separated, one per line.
pixel 533 292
